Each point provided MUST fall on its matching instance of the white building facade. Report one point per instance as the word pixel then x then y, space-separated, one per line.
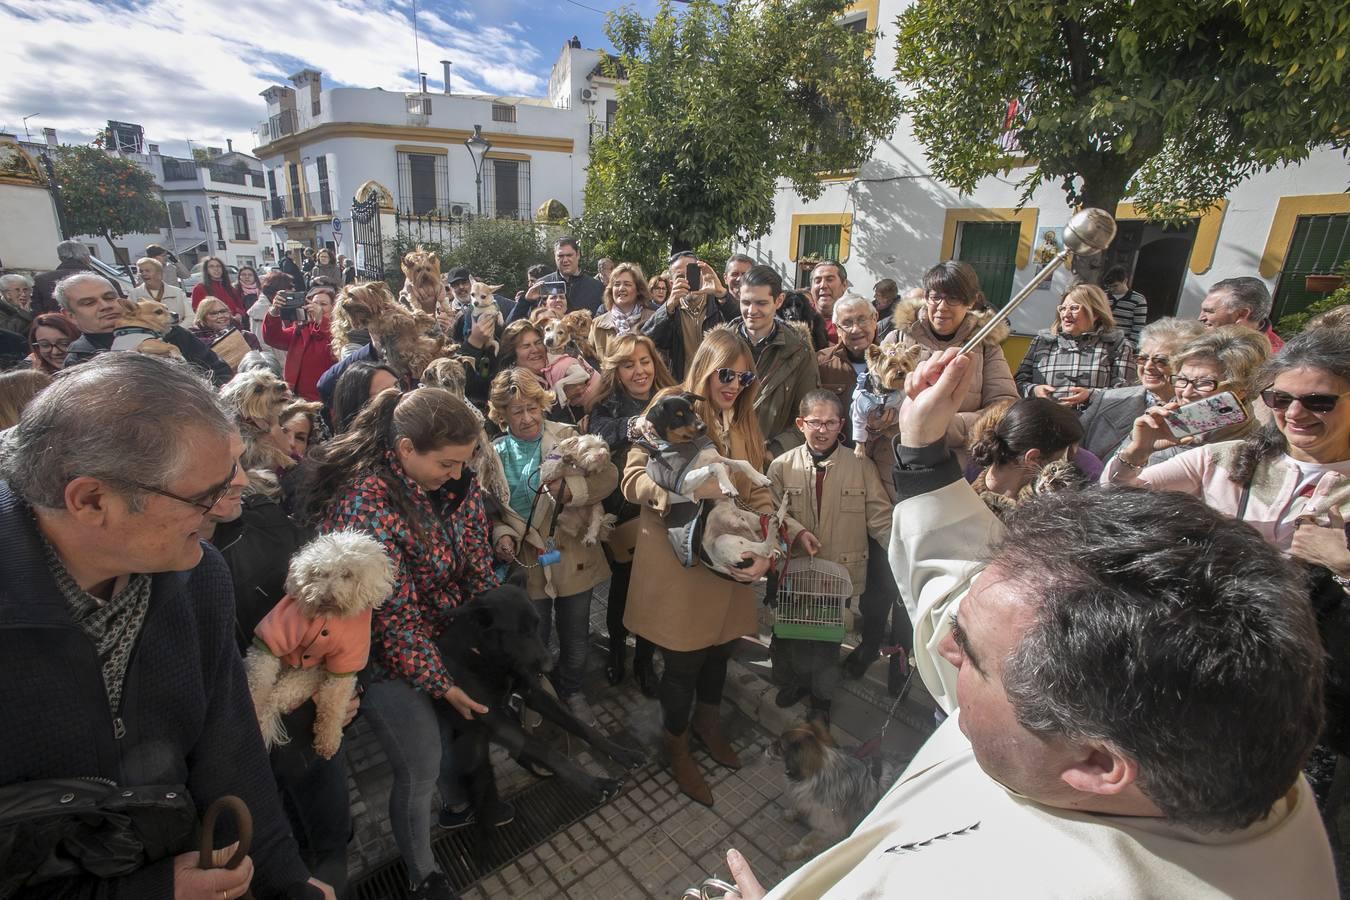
pixel 324 148
pixel 893 219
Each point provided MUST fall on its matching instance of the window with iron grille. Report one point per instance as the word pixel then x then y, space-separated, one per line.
pixel 503 112
pixel 297 205
pixel 1320 246
pixel 324 203
pixel 991 250
pixel 201 219
pixel 423 182
pixel 818 241
pixel 506 189
pixel 239 215
pixel 177 214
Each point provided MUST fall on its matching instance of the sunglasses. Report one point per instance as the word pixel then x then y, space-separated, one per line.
pixel 1313 403
pixel 727 376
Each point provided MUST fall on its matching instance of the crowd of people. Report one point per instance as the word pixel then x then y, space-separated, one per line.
pixel 1138 679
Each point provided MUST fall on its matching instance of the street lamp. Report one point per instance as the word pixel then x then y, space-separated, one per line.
pixel 478 147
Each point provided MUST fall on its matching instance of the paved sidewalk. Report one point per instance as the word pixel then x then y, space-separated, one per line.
pixel 651 841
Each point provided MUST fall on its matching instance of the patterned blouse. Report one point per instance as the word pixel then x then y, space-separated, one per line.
pixel 446 565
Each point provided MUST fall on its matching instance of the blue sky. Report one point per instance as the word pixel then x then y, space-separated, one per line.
pixel 192 69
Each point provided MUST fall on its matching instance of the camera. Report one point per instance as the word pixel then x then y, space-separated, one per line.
pixel 292 306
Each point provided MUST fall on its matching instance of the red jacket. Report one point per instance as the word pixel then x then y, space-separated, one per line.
pixel 309 352
pixel 228 295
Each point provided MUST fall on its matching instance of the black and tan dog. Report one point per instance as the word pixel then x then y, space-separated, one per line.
pixel 683 457
pixel 492 650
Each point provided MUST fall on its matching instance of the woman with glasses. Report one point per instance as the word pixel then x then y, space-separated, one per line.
pixel 949 313
pixel 50 336
pixel 1110 414
pixel 630 373
pixel 1221 359
pixel 692 614
pixel 1082 353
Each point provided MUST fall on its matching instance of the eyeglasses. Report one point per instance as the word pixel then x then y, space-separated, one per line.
pixel 49 346
pixel 1072 309
pixel 1144 360
pixel 209 499
pixel 1313 403
pixel 1203 385
pixel 944 300
pixel 853 324
pixel 822 424
pixel 727 376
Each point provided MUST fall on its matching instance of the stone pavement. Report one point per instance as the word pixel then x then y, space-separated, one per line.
pixel 651 841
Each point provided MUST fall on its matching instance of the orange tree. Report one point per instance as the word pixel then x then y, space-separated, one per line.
pixel 106 195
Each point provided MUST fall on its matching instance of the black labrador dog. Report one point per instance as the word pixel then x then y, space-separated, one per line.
pixel 492 649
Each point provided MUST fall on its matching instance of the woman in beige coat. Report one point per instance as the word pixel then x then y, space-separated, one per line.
pixel 947 317
pixel 526 528
pixel 692 614
pixel 626 307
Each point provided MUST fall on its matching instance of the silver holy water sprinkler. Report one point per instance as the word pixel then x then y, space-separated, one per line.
pixel 1089 232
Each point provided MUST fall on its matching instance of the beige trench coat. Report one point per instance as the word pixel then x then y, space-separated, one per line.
pixel 581 568
pixel 853 505
pixel 671 606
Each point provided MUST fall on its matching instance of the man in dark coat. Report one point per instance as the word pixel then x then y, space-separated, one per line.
pixel 117 651
pixel 73 258
pixel 92 303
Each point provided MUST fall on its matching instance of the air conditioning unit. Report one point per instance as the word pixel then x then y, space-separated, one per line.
pixel 457 211
pixel 587 95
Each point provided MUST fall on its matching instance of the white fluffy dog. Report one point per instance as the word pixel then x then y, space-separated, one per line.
pixel 579 455
pixel 317 638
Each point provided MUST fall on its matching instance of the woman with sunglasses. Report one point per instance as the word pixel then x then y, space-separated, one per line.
pixel 949 313
pixel 1110 414
pixel 692 614
pixel 1221 359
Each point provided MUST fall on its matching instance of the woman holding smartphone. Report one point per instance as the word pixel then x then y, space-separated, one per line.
pixel 1224 359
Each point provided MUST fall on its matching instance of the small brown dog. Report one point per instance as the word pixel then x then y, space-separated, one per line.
pixel 828 790
pixel 422 287
pixel 568 343
pixel 882 389
pixel 410 340
pixel 142 327
pixel 579 455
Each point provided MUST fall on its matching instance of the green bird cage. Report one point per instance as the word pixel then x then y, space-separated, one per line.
pixel 812 597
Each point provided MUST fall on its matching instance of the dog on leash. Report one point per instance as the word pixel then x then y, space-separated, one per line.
pixel 142 327
pixel 568 343
pixel 882 388
pixel 682 458
pixel 317 638
pixel 492 650
pixel 579 455
pixel 828 790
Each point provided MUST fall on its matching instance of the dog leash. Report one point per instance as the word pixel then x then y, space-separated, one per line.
pixel 243 820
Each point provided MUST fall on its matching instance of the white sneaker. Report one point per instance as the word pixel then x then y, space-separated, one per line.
pixel 577 706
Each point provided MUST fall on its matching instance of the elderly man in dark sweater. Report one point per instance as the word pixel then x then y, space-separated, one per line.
pixel 117 651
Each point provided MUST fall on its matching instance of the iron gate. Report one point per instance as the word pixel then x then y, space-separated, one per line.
pixel 366 237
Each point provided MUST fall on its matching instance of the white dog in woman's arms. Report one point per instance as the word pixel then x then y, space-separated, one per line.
pixel 317 638
pixel 583 454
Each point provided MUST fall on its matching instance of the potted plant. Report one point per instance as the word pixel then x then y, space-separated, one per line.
pixel 1322 284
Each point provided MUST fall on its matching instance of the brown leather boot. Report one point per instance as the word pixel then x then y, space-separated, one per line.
pixel 707 727
pixel 685 770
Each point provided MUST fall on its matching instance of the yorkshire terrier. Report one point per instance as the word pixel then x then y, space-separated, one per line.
pixel 882 388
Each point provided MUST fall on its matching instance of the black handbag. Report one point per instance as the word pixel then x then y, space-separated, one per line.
pixel 58 828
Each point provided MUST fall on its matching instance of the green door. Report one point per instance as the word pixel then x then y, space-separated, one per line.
pixel 991 250
pixel 1320 246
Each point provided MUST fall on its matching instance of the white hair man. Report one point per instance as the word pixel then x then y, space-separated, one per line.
pixel 1241 301
pixel 117 647
pixel 16 303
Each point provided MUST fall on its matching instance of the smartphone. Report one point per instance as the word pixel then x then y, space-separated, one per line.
pixel 1206 414
pixel 555 287
pixel 692 275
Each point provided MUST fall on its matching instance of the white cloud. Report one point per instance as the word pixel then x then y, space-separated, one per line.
pixel 194 68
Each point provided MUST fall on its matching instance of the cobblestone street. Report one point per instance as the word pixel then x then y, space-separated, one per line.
pixel 650 841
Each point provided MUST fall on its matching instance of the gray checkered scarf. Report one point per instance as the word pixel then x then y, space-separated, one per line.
pixel 112 626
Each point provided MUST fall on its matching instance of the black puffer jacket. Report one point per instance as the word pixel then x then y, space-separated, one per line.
pixel 609 419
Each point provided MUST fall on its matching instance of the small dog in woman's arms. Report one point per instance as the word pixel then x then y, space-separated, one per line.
pixel 317 638
pixel 828 790
pixel 583 454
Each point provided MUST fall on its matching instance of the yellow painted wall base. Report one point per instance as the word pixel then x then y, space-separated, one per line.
pixel 1015 346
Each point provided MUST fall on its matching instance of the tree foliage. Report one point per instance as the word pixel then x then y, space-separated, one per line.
pixel 106 195
pixel 720 103
pixel 497 251
pixel 1170 104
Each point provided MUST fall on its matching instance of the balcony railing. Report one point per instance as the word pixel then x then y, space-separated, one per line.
pixel 231 175
pixel 315 203
pixel 179 169
pixel 285 122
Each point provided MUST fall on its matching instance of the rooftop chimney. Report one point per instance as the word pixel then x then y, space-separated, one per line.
pixel 423 76
pixel 445 67
pixel 229 145
pixel 154 148
pixel 49 134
